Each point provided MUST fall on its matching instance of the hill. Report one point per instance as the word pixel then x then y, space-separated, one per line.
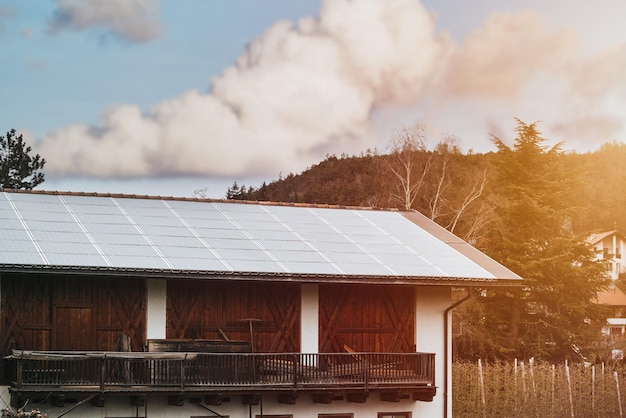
pixel 443 180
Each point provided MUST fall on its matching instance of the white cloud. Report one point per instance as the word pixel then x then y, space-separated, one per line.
pixel 500 57
pixel 132 20
pixel 293 96
pixel 521 65
pixel 298 93
pixel 591 110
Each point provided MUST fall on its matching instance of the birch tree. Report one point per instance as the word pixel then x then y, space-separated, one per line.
pixel 409 163
pixel 440 182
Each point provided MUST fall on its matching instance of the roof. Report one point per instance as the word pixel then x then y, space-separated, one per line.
pixel 613 296
pixel 599 236
pixel 178 237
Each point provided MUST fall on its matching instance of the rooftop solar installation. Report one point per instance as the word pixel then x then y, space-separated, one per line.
pixel 108 231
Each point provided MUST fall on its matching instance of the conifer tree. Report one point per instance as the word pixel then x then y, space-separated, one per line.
pixel 18 170
pixel 553 315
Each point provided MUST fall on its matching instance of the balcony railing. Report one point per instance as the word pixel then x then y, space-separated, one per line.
pixel 217 372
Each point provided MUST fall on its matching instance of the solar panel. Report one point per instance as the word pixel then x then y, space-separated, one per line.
pixel 124 232
pixel 21 257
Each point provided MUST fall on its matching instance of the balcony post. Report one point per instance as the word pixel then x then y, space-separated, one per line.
pixel 19 377
pixel 102 372
pixel 183 363
pixel 295 363
pixel 366 372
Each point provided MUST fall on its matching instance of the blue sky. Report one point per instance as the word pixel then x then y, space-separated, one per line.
pixel 163 97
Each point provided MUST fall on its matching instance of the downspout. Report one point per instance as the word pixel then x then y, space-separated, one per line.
pixel 446 353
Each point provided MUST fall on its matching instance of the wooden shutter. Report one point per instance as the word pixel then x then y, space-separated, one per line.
pixel 366 318
pixel 201 309
pixel 56 312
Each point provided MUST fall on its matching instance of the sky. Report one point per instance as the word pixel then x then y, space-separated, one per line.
pixel 167 98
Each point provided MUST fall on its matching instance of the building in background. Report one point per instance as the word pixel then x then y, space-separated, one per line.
pixel 610 245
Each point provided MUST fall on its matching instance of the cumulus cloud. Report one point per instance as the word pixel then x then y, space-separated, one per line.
pixel 593 107
pixel 294 95
pixel 301 91
pixel 519 64
pixel 500 57
pixel 131 20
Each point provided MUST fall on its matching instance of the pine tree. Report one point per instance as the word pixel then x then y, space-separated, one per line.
pixel 18 170
pixel 554 314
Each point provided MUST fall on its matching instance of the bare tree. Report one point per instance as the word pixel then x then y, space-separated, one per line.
pixel 477 187
pixel 439 183
pixel 437 203
pixel 410 163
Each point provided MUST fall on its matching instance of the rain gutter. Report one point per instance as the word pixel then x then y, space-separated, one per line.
pixel 447 349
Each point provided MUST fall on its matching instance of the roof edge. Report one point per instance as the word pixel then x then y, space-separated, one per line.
pixel 195 199
pixel 468 250
pixel 254 276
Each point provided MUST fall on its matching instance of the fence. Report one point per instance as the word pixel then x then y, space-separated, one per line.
pixel 537 389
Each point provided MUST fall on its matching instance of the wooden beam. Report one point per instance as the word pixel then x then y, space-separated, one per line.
pixel 250 399
pixel 287 398
pixel 425 395
pixel 216 399
pixel 391 396
pixel 357 397
pixel 323 397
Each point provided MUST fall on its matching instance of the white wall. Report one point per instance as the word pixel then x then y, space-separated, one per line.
pixel 309 318
pixel 156 308
pixel 430 304
pixel 157 407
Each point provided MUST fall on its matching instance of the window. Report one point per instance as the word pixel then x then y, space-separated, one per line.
pixel 394 415
pixel 274 416
pixel 343 415
pixel 209 416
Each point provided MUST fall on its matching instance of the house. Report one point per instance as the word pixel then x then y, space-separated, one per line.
pixel 610 246
pixel 615 299
pixel 117 305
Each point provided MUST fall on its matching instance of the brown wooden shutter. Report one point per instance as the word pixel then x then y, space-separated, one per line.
pixel 366 318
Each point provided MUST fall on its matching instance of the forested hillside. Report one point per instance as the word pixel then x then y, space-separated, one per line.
pixel 598 189
pixel 528 205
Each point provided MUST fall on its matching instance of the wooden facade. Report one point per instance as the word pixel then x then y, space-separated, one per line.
pixel 206 309
pixel 41 312
pixel 367 318
pixel 57 312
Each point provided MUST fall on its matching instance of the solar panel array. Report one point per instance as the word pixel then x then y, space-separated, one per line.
pixel 141 233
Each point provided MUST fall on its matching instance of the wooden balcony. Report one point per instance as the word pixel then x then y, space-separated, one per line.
pixel 206 374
